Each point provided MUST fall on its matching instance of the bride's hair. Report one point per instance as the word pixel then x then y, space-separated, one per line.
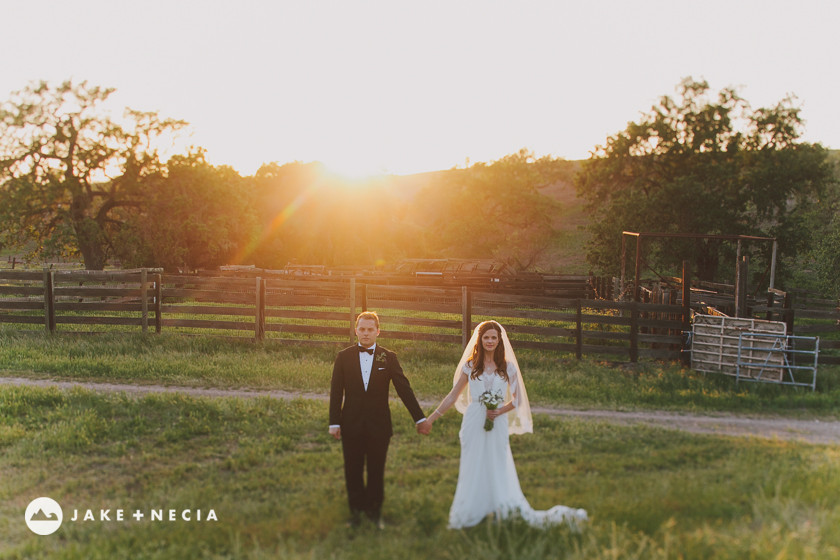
pixel 477 358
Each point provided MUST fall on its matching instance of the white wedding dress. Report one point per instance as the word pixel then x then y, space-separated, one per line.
pixel 487 480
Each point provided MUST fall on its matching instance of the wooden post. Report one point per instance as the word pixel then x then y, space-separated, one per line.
pixel 623 264
pixel 352 306
pixel 158 302
pixel 578 331
pixel 741 286
pixel 466 316
pixel 364 298
pixel 789 312
pixel 144 300
pixel 771 299
pixel 49 301
pixel 686 308
pixel 638 269
pixel 634 332
pixel 259 310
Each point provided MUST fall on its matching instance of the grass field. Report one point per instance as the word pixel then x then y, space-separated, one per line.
pixel 273 476
pixel 552 378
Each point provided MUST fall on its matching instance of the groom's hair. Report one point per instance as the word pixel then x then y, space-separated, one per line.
pixel 368 315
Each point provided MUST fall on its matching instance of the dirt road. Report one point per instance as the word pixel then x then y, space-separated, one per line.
pixel 812 431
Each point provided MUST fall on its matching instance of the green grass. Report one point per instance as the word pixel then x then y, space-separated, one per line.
pixel 552 379
pixel 274 478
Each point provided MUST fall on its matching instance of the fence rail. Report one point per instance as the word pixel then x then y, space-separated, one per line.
pixel 322 312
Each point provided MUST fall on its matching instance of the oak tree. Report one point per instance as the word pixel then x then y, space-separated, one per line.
pixel 702 164
pixel 67 168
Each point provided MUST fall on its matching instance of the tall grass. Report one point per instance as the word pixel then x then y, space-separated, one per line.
pixel 274 479
pixel 552 378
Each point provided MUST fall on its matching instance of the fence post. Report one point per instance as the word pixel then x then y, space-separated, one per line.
pixel 259 310
pixel 741 286
pixel 686 308
pixel 634 332
pixel 578 331
pixel 364 298
pixel 637 276
pixel 158 303
pixel 49 301
pixel 789 312
pixel 770 299
pixel 144 300
pixel 466 316
pixel 352 310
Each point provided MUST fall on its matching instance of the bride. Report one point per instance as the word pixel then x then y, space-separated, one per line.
pixel 488 385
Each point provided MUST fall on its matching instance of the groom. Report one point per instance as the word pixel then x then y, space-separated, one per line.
pixel 361 418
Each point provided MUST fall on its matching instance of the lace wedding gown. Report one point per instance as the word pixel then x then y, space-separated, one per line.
pixel 487 479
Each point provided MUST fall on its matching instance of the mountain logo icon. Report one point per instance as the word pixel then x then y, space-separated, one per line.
pixel 43 516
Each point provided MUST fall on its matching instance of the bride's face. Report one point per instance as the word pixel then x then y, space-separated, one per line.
pixel 489 341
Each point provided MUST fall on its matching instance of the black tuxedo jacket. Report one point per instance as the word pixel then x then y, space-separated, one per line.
pixel 363 413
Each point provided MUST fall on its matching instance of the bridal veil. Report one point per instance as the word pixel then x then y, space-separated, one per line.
pixel 519 419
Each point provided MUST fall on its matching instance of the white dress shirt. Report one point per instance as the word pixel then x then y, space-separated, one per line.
pixel 366 361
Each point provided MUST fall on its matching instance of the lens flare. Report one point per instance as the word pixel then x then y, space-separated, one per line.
pixel 275 224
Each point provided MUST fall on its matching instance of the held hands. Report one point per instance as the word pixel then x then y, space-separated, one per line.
pixel 335 432
pixel 424 427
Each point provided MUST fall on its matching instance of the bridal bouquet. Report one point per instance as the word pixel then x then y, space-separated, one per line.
pixel 491 401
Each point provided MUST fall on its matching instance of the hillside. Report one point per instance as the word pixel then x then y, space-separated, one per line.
pixel 567 256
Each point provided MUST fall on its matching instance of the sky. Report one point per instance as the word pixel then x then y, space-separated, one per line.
pixel 386 86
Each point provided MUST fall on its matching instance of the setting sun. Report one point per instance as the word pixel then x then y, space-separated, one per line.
pixel 353 172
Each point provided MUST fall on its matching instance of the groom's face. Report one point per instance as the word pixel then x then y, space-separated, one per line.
pixel 366 332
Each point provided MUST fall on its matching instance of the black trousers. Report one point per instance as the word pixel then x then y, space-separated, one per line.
pixel 359 453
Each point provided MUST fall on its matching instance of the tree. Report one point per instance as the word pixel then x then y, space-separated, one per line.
pixel 821 264
pixel 826 258
pixel 494 210
pixel 194 215
pixel 702 166
pixel 67 169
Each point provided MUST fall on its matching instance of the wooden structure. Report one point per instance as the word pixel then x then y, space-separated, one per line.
pixel 739 267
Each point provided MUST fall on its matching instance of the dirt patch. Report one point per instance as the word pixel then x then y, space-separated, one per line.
pixel 811 431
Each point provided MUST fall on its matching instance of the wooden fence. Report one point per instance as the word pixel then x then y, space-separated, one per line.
pixel 306 311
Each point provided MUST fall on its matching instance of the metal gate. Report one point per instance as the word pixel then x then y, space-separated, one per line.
pixel 783 359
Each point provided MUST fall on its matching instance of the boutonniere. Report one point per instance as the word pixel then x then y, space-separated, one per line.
pixel 380 358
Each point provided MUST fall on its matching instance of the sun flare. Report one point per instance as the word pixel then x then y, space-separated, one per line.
pixel 354 172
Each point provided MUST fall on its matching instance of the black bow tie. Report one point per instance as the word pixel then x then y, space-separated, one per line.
pixel 368 350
